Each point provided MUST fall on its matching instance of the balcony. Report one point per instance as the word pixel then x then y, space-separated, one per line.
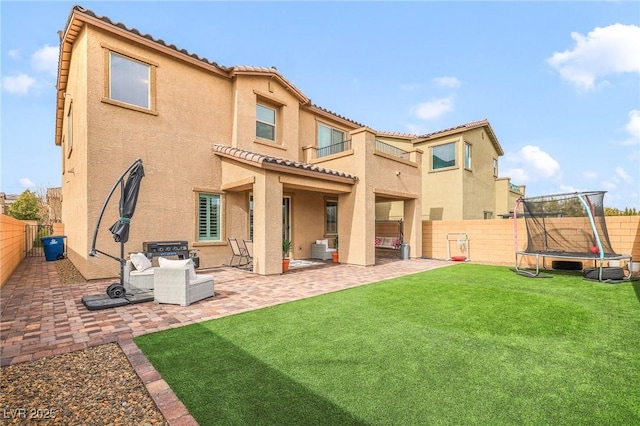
pixel 391 150
pixel 335 148
pixel 516 188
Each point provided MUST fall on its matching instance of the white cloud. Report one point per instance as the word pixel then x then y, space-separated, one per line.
pixel 447 81
pixel 14 54
pixel 516 175
pixel 434 108
pixel 633 128
pixel 533 164
pixel 589 175
pixel 608 186
pixel 19 84
pixel 45 59
pixel 27 183
pixel 604 51
pixel 622 174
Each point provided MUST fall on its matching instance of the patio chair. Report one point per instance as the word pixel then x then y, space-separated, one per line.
pixel 176 282
pixel 320 250
pixel 248 248
pixel 237 251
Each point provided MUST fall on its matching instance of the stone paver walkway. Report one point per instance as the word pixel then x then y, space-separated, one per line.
pixel 42 317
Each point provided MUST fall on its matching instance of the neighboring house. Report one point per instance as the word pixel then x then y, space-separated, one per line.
pixel 234 152
pixel 460 174
pixel 54 204
pixel 6 200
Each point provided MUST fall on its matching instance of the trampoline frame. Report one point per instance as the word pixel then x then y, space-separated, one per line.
pixel 598 259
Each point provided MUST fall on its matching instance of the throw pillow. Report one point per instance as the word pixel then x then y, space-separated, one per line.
pixel 179 264
pixel 377 241
pixel 325 242
pixel 140 261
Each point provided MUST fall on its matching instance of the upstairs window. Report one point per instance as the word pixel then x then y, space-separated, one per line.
pixel 209 217
pixel 443 156
pixel 328 136
pixel 129 81
pixel 467 156
pixel 265 122
pixel 495 167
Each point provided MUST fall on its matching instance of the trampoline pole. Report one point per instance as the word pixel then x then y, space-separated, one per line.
pixel 587 207
pixel 515 229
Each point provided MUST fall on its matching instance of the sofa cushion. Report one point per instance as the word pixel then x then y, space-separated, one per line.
pixel 325 242
pixel 140 261
pixel 178 264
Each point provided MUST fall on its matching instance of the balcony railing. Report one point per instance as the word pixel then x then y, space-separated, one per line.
pixel 391 150
pixel 514 188
pixel 334 149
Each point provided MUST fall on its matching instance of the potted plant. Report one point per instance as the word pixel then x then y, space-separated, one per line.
pixel 334 255
pixel 286 248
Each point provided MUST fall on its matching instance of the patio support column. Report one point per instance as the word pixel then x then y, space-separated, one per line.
pixel 413 227
pixel 267 224
pixel 357 209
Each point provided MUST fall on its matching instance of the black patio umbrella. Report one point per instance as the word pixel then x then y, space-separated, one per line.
pixel 128 200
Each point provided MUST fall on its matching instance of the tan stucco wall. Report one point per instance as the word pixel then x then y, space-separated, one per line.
pixel 479 193
pixel 75 183
pixel 492 241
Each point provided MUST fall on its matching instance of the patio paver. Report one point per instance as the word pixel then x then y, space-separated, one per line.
pixel 41 317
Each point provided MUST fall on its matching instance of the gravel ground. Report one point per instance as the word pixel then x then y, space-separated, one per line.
pixel 94 386
pixel 68 273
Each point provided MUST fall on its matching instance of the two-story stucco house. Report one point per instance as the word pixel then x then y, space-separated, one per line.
pixel 228 152
pixel 459 174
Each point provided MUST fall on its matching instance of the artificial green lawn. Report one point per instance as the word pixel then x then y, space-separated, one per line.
pixel 467 344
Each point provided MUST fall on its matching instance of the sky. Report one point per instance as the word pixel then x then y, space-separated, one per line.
pixel 559 82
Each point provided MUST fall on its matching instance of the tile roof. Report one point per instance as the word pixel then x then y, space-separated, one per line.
pixel 263 159
pixel 467 126
pixel 461 128
pixel 397 135
pixel 147 36
pixel 337 115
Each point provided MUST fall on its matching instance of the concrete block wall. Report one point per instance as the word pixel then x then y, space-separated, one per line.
pixel 12 245
pixel 493 241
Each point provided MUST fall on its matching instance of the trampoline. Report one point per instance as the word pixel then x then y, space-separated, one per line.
pixel 569 226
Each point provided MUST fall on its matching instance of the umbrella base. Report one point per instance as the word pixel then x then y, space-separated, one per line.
pixel 96 302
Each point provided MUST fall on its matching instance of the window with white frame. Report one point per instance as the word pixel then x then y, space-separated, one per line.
pixel 209 217
pixel 443 156
pixel 467 155
pixel 265 122
pixel 495 167
pixel 331 217
pixel 129 81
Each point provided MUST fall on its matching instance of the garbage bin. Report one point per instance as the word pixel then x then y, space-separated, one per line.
pixel 404 251
pixel 53 247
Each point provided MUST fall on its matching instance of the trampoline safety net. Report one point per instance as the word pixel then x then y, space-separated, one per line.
pixel 567 224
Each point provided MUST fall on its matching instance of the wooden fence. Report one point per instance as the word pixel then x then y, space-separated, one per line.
pixel 14 243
